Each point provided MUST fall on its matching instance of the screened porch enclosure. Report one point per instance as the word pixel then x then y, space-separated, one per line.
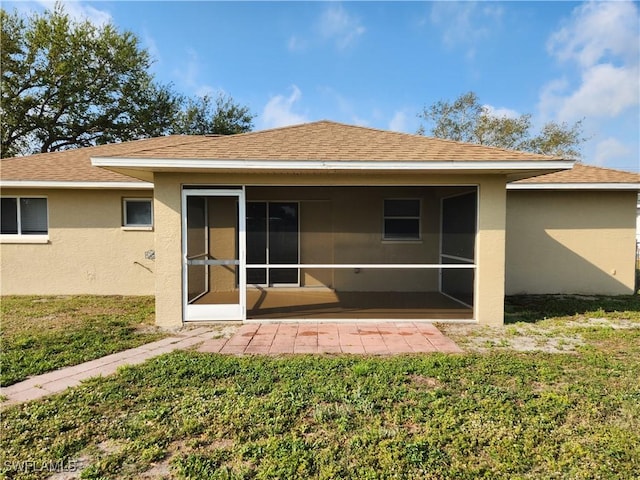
pixel 330 252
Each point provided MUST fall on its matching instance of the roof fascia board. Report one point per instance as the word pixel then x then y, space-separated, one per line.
pixel 81 185
pixel 573 186
pixel 190 164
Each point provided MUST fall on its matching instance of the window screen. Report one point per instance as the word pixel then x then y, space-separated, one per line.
pixel 459 226
pixel 138 213
pixel 24 216
pixel 9 216
pixel 401 219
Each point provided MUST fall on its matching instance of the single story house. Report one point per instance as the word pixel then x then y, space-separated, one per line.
pixel 315 221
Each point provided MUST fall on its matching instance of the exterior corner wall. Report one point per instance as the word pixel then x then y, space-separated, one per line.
pixel 88 251
pixel 571 242
pixel 490 252
pixel 168 244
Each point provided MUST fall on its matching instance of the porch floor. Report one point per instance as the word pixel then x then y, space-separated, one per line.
pixel 322 303
pixel 384 338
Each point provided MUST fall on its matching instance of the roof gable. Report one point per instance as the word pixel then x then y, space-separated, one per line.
pixel 322 141
pixel 331 141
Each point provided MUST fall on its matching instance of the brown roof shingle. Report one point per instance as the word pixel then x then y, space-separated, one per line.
pixel 331 141
pixel 581 173
pixel 75 165
pixel 320 141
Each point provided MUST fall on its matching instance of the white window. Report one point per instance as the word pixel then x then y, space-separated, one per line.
pixel 401 219
pixel 137 212
pixel 24 216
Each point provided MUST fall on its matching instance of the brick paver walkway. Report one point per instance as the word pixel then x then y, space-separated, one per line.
pixel 253 338
pixel 59 380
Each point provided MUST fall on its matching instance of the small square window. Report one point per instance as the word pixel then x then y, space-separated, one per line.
pixel 137 212
pixel 401 219
pixel 24 216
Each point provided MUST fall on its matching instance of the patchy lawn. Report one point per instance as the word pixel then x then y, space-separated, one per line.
pixel 551 323
pixel 40 334
pixel 499 413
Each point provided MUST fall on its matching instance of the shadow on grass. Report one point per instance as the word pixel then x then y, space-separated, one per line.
pixel 534 308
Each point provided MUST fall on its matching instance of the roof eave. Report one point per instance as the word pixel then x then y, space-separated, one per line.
pixel 514 169
pixel 75 184
pixel 574 186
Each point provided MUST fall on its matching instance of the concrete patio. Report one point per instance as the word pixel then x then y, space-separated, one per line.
pixel 371 338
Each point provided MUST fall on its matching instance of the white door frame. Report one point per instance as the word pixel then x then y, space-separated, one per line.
pixel 216 312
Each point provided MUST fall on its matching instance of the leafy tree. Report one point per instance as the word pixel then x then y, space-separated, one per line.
pixel 204 115
pixel 70 84
pixel 467 120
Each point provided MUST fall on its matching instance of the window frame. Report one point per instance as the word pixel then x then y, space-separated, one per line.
pixel 136 226
pixel 20 237
pixel 391 239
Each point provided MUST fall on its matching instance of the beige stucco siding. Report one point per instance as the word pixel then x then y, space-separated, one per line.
pixel 88 251
pixel 490 252
pixel 168 227
pixel 570 242
pixel 349 235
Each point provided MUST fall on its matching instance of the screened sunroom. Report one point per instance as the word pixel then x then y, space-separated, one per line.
pixel 329 252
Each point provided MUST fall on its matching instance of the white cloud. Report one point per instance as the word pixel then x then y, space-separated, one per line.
pixel 278 112
pixel 151 45
pixel 296 43
pixel 80 11
pixel 609 149
pixel 465 23
pixel 399 122
pixel 596 31
pixel 605 91
pixel 337 25
pixel 189 75
pixel 601 41
pixel 500 111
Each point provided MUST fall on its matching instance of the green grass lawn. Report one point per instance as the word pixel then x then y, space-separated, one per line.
pixel 40 334
pixel 500 414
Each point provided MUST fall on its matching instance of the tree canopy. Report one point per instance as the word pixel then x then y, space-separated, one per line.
pixel 467 120
pixel 68 84
pixel 205 115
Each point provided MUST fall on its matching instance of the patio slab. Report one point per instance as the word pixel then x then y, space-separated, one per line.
pixel 375 338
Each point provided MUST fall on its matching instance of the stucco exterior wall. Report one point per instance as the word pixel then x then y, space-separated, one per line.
pixel 88 251
pixel 489 278
pixel 570 242
pixel 490 252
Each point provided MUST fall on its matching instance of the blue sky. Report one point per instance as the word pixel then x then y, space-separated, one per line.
pixel 378 64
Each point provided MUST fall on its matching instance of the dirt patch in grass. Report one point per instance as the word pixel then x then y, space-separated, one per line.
pixel 477 338
pixel 568 337
pixel 428 382
pixel 550 324
pixel 219 329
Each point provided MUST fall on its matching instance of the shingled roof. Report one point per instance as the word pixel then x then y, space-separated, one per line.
pixel 581 173
pixel 322 140
pixel 330 141
pixel 75 165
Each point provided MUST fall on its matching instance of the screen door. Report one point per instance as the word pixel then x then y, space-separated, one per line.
pixel 213 250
